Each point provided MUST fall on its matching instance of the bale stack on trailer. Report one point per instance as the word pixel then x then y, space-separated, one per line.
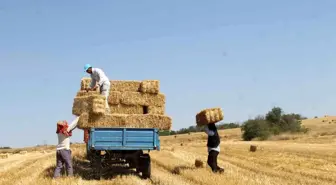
pixel 207 116
pixel 133 104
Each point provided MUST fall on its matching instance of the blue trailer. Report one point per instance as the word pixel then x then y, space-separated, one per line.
pixel 107 146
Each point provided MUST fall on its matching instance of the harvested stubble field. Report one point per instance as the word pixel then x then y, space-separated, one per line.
pixel 301 159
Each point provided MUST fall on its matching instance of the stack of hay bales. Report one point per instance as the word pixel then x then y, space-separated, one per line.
pixel 133 104
pixel 207 116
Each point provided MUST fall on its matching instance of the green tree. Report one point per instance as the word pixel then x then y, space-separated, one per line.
pixel 255 128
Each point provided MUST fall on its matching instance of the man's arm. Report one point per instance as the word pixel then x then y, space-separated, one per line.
pixel 209 132
pixel 93 83
pixel 73 124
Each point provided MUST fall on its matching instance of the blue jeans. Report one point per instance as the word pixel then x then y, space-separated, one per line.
pixel 63 157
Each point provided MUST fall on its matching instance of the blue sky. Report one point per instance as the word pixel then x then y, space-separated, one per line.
pixel 244 56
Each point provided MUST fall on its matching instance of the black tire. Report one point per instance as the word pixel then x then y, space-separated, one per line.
pixel 145 166
pixel 97 166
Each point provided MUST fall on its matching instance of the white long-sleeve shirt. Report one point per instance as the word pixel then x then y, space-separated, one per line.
pixel 63 140
pixel 211 133
pixel 99 76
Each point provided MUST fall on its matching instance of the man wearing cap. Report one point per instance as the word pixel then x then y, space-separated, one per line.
pixel 99 79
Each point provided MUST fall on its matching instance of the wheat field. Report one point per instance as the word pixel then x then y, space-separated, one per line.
pixel 285 159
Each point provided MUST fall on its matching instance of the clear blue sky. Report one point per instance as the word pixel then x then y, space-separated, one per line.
pixel 244 56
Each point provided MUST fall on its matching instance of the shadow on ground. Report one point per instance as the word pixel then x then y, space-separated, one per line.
pixel 82 169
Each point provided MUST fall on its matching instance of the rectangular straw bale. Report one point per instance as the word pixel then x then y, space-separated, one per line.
pixel 150 86
pixel 212 115
pixel 85 83
pixel 125 85
pixel 84 93
pixel 83 121
pixel 126 109
pixel 4 156
pixel 80 105
pixel 114 97
pixel 107 120
pixel 144 99
pixel 91 104
pixel 98 105
pixel 149 121
pixel 156 110
pixel 127 120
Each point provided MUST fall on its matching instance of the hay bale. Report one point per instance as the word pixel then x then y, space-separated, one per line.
pixel 150 86
pixel 114 97
pixel 156 110
pixel 161 122
pixel 94 104
pixel 212 115
pixel 83 121
pixel 23 152
pixel 4 156
pixel 98 105
pixel 144 99
pixel 107 120
pixel 126 109
pixel 87 93
pixel 199 163
pixel 128 121
pixel 125 85
pixel 253 148
pixel 85 83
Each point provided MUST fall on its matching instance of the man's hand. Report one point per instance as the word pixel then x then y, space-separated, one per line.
pixel 95 87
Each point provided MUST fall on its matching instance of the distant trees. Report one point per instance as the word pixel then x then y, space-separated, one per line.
pixel 190 129
pixel 273 123
pixel 5 147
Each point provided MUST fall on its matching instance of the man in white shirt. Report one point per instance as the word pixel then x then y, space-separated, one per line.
pixel 63 152
pixel 99 79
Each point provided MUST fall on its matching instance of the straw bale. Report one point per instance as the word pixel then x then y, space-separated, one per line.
pixel 156 110
pixel 4 156
pixel 80 105
pixel 126 109
pixel 93 104
pixel 199 163
pixel 144 99
pixel 98 105
pixel 212 115
pixel 114 97
pixel 85 93
pixel 150 86
pixel 85 83
pixel 253 148
pixel 23 152
pixel 128 121
pixel 107 120
pixel 125 85
pixel 83 121
pixel 149 121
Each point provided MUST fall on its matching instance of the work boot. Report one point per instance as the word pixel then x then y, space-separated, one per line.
pixel 220 170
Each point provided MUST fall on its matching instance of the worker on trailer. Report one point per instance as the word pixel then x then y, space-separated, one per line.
pixel 63 152
pixel 213 147
pixel 99 79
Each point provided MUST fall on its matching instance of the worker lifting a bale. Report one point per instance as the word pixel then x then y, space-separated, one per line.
pixel 208 118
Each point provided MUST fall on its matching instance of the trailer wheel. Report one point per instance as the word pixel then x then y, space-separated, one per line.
pixel 97 166
pixel 88 153
pixel 145 166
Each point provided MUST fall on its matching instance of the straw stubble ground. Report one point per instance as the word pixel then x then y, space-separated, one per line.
pixel 301 161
